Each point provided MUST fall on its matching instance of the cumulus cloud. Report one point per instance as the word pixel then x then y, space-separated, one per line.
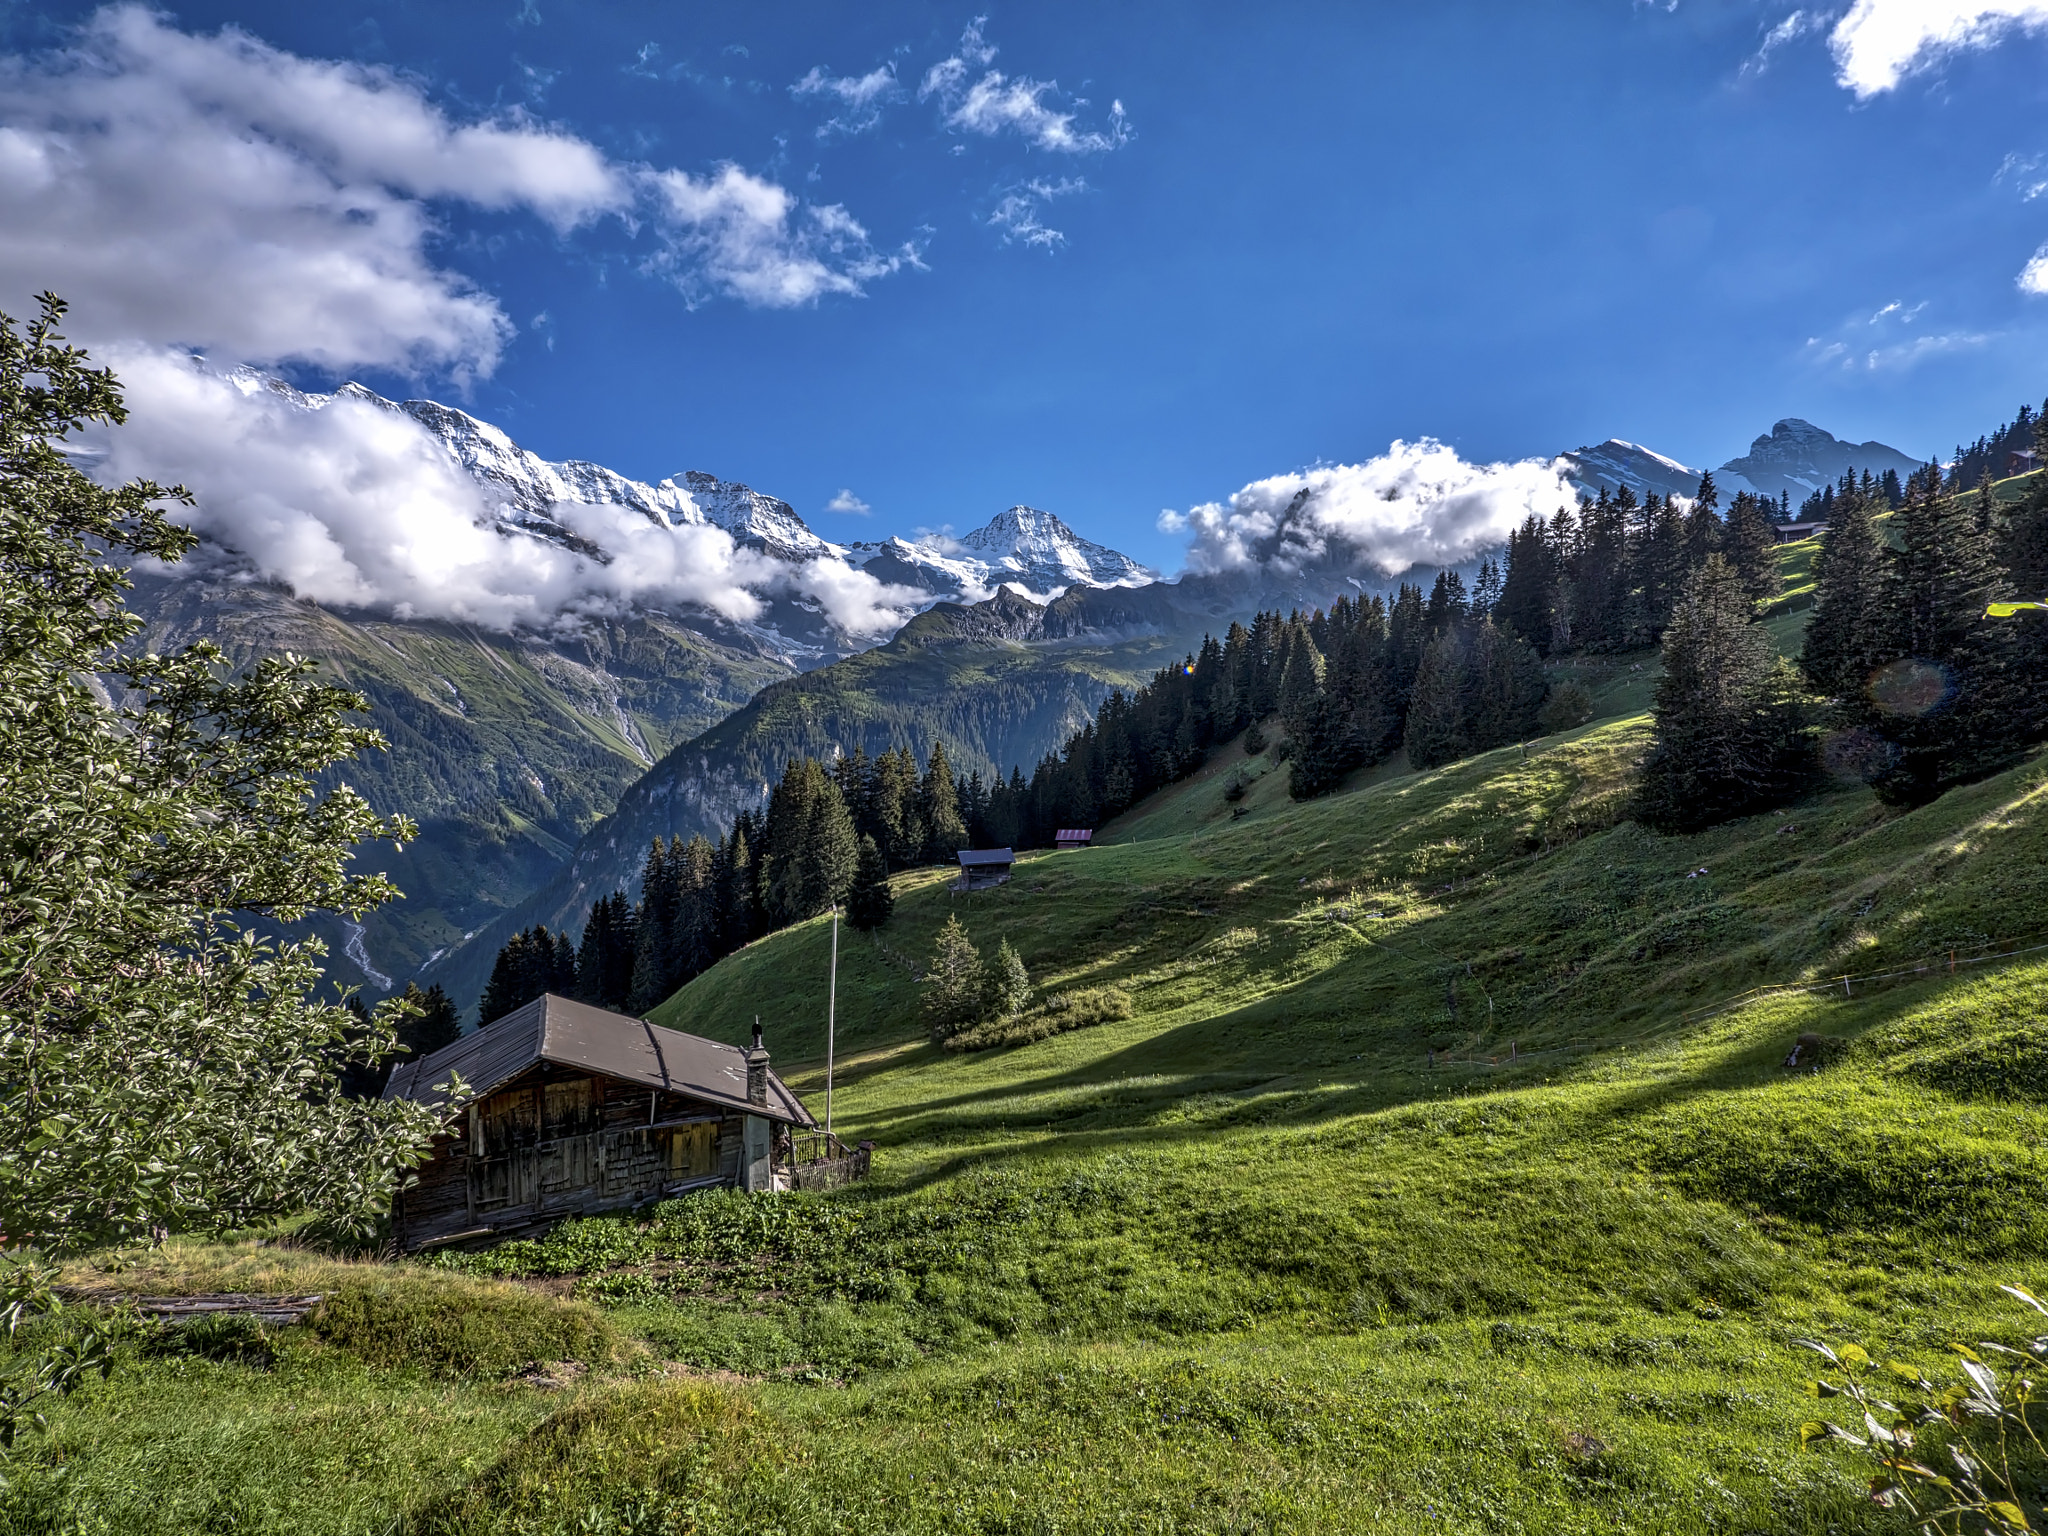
pixel 860 98
pixel 848 503
pixel 740 234
pixel 220 193
pixel 356 505
pixel 1416 504
pixel 996 103
pixel 2033 277
pixel 1879 42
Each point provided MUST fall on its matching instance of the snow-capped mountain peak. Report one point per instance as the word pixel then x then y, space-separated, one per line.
pixel 1618 462
pixel 1044 552
pixel 1798 458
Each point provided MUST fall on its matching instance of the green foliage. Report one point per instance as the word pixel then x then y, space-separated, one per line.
pixel 1061 1012
pixel 1732 734
pixel 1568 706
pixel 869 901
pixel 162 1066
pixel 1007 985
pixel 955 982
pixel 1972 1484
pixel 812 850
pixel 451 1327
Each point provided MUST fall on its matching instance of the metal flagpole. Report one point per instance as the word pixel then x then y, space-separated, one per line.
pixel 831 1018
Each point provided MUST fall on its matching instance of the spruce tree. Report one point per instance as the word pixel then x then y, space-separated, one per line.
pixel 1848 635
pixel 869 901
pixel 812 849
pixel 1504 693
pixel 1702 525
pixel 1752 547
pixel 1731 734
pixel 955 983
pixel 1437 708
pixel 1006 985
pixel 938 803
pixel 1945 705
pixel 431 1021
pixel 1527 594
pixel 1321 753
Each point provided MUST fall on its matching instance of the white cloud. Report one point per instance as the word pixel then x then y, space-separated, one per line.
pixel 849 504
pixel 739 234
pixel 216 192
pixel 2033 277
pixel 1016 212
pixel 860 97
pixel 1879 42
pixel 1790 29
pixel 355 505
pixel 997 103
pixel 1417 504
pixel 2029 173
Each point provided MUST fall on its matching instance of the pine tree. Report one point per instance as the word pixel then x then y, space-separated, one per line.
pixel 1437 708
pixel 1007 985
pixel 1660 568
pixel 955 986
pixel 1731 733
pixel 812 849
pixel 604 960
pixel 1944 705
pixel 1847 636
pixel 869 901
pixel 1528 591
pixel 1752 547
pixel 1321 754
pixel 432 1022
pixel 532 962
pixel 1504 692
pixel 1703 525
pixel 938 803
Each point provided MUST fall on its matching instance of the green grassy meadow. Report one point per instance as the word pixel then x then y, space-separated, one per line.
pixel 1426 1187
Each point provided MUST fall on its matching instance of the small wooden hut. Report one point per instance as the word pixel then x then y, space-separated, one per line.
pixel 1073 837
pixel 575 1110
pixel 983 869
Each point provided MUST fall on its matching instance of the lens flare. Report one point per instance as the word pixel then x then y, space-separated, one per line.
pixel 1857 756
pixel 1911 686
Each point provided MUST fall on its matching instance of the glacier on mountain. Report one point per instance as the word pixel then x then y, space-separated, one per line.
pixel 528 497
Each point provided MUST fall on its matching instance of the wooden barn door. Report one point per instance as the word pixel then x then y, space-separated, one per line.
pixel 568 1164
pixel 502 1131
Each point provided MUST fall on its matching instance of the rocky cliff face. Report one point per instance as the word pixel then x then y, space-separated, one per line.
pixel 1798 458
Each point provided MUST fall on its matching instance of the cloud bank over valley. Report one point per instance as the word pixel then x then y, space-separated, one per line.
pixel 1416 504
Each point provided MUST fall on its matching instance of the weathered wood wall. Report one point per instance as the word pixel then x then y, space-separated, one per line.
pixel 555 1143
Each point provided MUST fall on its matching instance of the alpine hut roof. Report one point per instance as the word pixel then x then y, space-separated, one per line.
pixel 569 1034
pixel 983 858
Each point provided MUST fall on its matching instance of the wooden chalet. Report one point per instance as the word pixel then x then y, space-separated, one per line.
pixel 982 869
pixel 575 1109
pixel 1073 837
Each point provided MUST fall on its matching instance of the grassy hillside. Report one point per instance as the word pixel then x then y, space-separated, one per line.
pixel 1246 1260
pixel 504 750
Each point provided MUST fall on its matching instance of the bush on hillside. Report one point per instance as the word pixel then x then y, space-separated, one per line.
pixel 1058 1014
pixel 447 1326
pixel 1569 706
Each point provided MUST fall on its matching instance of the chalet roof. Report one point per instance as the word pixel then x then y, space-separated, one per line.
pixel 569 1034
pixel 1073 835
pixel 982 858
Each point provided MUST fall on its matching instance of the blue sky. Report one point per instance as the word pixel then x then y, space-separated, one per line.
pixel 1220 243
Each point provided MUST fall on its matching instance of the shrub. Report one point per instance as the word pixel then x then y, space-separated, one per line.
pixel 1058 1014
pixel 1568 707
pixel 231 1338
pixel 447 1326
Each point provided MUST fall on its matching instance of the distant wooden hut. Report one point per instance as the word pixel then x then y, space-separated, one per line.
pixel 1073 837
pixel 577 1110
pixel 1792 533
pixel 983 869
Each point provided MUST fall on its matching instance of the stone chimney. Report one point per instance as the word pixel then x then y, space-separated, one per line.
pixel 757 1069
